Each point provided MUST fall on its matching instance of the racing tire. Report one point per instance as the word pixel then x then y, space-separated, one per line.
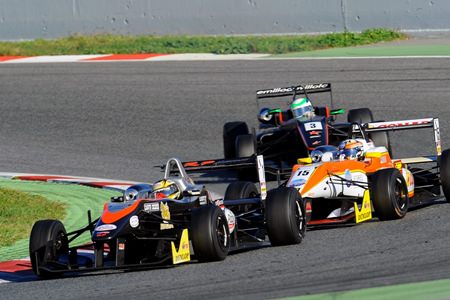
pixel 245 145
pixel 231 130
pixel 389 194
pixel 210 233
pixel 364 115
pixel 241 190
pixel 445 173
pixel 48 241
pixel 285 216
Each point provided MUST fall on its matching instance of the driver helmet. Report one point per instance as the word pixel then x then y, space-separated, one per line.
pixel 351 149
pixel 164 189
pixel 302 109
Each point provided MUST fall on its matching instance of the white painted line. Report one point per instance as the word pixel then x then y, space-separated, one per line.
pixel 353 57
pixel 53 59
pixel 206 57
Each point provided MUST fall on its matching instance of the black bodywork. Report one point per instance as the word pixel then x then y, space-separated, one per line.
pixel 121 242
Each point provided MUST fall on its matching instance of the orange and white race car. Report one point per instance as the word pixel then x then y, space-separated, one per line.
pixel 350 182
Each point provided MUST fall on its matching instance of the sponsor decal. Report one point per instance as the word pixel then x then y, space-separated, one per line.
pixel 134 221
pixel 315 136
pixel 165 214
pixel 398 165
pixel 183 253
pixel 383 159
pixel 231 219
pixel 291 89
pixel 298 182
pixel 348 177
pixel 313 126
pixel 437 136
pixel 106 227
pixel 121 246
pixel 394 124
pixel 202 200
pixel 102 233
pixel 314 132
pixel 261 176
pixel 365 213
pixel 316 143
pixel 150 207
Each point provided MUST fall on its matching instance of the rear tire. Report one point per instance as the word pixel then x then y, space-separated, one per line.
pixel 445 173
pixel 285 216
pixel 389 194
pixel 210 234
pixel 245 147
pixel 364 115
pixel 241 190
pixel 48 241
pixel 231 130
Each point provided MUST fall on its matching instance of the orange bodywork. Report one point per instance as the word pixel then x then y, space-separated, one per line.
pixel 370 165
pixel 111 217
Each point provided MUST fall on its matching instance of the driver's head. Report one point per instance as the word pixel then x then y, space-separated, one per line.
pixel 164 189
pixel 302 109
pixel 351 150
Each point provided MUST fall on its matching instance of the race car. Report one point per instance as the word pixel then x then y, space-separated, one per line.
pixel 285 135
pixel 347 183
pixel 170 222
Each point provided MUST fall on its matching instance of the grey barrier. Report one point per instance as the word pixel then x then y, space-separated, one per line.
pixel 30 19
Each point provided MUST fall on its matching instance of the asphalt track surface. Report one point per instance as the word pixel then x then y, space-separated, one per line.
pixel 118 120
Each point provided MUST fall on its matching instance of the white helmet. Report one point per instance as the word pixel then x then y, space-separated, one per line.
pixel 302 109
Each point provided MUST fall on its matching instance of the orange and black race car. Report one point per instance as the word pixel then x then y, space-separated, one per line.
pixel 170 222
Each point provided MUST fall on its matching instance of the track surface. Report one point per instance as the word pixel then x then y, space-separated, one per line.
pixel 118 120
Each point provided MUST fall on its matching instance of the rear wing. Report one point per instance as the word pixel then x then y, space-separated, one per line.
pixel 256 162
pixel 404 125
pixel 291 90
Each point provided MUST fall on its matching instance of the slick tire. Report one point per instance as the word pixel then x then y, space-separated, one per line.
pixel 245 147
pixel 445 173
pixel 285 217
pixel 210 234
pixel 48 241
pixel 240 190
pixel 231 131
pixel 364 115
pixel 389 194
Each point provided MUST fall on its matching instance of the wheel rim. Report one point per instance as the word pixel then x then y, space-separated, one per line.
pixel 221 233
pixel 400 194
pixel 299 217
pixel 59 244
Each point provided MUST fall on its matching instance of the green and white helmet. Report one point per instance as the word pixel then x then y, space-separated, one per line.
pixel 302 109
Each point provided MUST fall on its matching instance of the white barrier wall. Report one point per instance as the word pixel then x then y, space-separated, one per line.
pixel 29 19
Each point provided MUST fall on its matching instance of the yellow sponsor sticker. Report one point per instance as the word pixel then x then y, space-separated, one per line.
pixel 366 210
pixel 165 214
pixel 183 254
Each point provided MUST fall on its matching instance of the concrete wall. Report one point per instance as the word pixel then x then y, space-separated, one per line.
pixel 28 19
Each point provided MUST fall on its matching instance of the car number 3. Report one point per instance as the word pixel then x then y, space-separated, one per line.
pixel 313 126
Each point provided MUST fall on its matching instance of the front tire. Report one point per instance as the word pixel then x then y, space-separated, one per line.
pixel 445 173
pixel 285 216
pixel 210 234
pixel 48 241
pixel 389 194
